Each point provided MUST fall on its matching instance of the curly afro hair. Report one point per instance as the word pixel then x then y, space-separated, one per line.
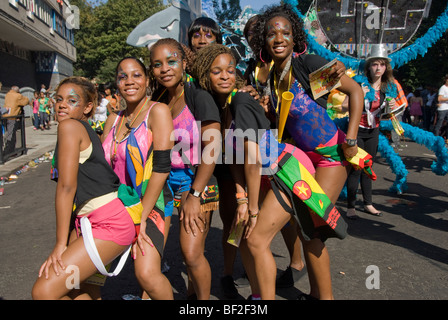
pixel 258 41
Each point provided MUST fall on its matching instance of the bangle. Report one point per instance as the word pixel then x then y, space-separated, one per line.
pixel 253 215
pixel 241 195
pixel 242 201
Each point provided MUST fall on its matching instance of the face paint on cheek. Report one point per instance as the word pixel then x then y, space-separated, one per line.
pixel 74 99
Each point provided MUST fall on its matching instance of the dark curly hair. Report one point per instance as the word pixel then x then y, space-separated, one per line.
pixel 258 41
pixel 204 61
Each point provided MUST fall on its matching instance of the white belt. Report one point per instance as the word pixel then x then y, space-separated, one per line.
pixel 89 243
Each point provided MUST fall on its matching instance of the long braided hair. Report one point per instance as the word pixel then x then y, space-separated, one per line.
pixel 204 61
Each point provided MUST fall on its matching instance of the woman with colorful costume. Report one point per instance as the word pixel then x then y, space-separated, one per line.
pixel 87 189
pixel 191 178
pixel 280 38
pixel 285 168
pixel 137 145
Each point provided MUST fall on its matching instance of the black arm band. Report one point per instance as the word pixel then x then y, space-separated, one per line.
pixel 162 161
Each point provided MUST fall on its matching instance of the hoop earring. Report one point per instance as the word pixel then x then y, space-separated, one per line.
pixel 303 50
pixel 262 58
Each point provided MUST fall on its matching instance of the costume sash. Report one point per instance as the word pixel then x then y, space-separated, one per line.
pixel 289 172
pixel 362 160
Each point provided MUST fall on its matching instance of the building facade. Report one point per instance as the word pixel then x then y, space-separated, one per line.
pixel 36 43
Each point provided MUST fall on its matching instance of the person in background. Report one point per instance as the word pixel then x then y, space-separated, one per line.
pixel 44 105
pixel 35 104
pixel 416 104
pixel 442 109
pixel 14 103
pixel 381 81
pixel 112 98
pixel 202 32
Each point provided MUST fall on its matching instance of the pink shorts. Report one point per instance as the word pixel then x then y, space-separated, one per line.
pixel 320 161
pixel 111 222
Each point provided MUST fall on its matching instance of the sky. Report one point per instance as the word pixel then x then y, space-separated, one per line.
pixel 257 4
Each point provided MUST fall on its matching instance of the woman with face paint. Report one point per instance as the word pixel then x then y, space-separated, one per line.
pixel 84 181
pixel 137 145
pixel 246 131
pixel 280 38
pixel 202 32
pixel 256 75
pixel 191 179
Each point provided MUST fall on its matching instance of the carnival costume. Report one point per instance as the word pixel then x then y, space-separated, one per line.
pixel 289 170
pixel 132 160
pixel 103 208
pixel 186 153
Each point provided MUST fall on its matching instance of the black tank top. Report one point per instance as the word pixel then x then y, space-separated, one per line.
pixel 95 176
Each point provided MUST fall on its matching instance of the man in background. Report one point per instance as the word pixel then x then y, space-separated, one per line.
pixel 14 103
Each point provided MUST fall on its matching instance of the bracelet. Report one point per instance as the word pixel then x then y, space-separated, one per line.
pixel 242 201
pixel 253 215
pixel 241 195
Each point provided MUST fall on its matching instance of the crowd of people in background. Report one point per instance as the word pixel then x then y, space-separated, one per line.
pixel 427 108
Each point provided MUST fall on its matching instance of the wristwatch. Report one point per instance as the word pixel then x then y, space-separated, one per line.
pixel 195 193
pixel 351 142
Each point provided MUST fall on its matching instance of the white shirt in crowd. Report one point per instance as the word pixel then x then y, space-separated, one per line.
pixel 443 91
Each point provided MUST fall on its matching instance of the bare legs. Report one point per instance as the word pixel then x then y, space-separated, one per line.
pixel 77 262
pixel 257 256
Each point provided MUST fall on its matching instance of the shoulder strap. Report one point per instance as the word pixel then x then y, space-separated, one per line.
pixel 149 110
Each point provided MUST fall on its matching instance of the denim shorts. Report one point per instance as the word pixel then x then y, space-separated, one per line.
pixel 179 181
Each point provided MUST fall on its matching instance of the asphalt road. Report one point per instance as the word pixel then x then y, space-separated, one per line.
pixel 406 249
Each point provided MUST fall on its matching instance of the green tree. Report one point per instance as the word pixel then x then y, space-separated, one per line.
pixel 429 69
pixel 104 28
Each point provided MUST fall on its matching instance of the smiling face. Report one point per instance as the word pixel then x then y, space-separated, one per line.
pixel 202 38
pixel 71 103
pixel 167 65
pixel 279 38
pixel 223 75
pixel 132 81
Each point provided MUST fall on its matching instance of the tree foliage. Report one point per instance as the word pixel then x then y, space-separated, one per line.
pixel 429 69
pixel 104 28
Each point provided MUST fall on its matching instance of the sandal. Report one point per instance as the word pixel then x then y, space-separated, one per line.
pixel 373 213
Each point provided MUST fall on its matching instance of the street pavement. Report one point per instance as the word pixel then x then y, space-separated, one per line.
pixel 402 255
